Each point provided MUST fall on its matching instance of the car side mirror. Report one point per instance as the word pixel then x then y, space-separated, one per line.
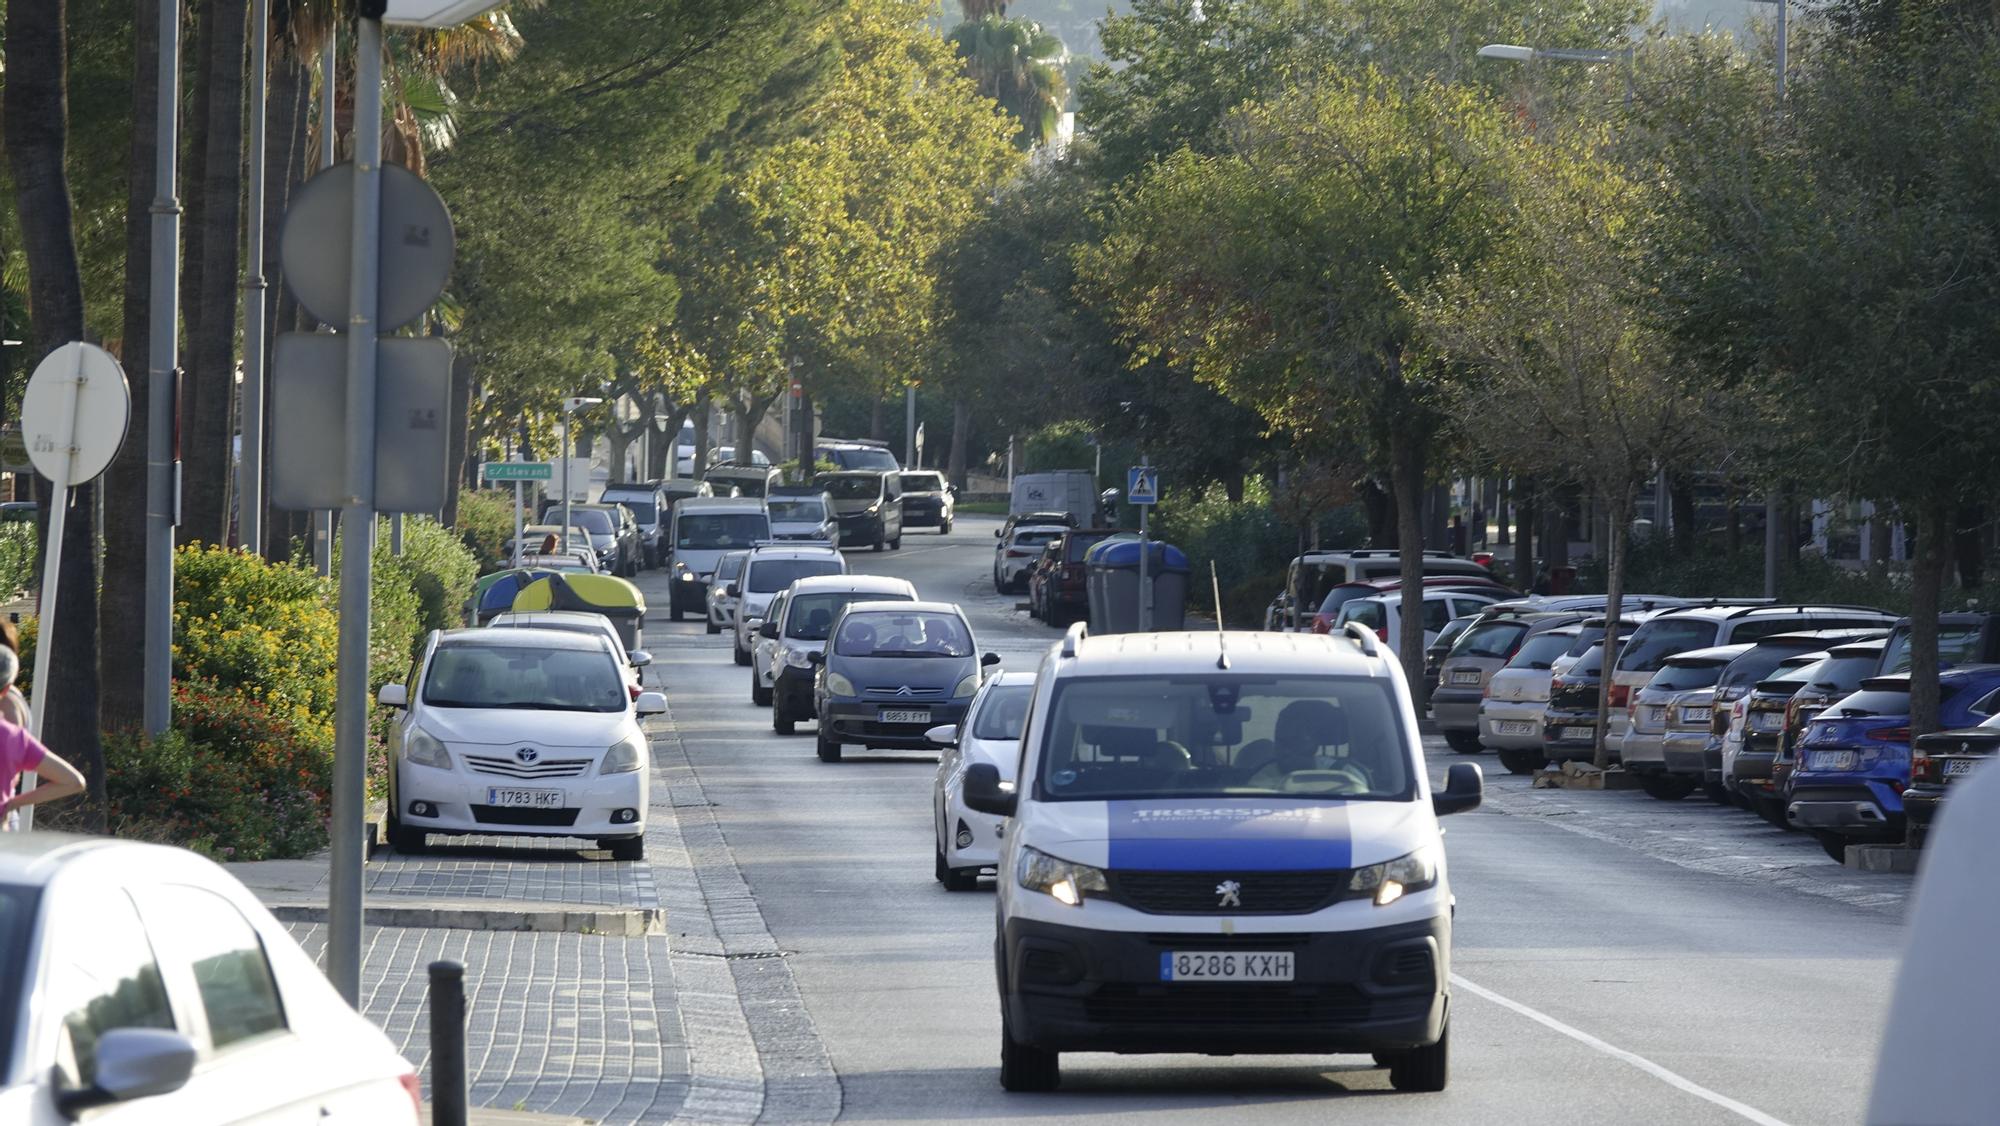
pixel 989 660
pixel 393 696
pixel 815 658
pixel 1464 786
pixel 996 533
pixel 768 629
pixel 639 658
pixel 133 1063
pixel 986 793
pixel 733 590
pixel 653 703
pixel 944 735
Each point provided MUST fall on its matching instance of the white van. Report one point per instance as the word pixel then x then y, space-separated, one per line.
pixel 704 530
pixel 1222 843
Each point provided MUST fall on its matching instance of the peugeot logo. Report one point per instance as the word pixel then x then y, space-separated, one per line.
pixel 1228 890
pixel 527 754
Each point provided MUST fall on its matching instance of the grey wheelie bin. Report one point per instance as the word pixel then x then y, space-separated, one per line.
pixel 1111 577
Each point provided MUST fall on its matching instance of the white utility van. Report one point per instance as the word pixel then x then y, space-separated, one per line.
pixel 704 530
pixel 1223 843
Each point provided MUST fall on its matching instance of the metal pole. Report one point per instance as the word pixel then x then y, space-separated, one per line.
pixel 1145 558
pixel 1771 544
pixel 448 1094
pixel 396 534
pixel 163 345
pixel 357 523
pixel 329 147
pixel 250 494
pixel 910 425
pixel 565 465
pixel 518 501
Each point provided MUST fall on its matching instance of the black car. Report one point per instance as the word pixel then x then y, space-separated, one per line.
pixel 1569 725
pixel 1937 762
pixel 929 500
pixel 1836 677
pixel 614 533
pixel 892 671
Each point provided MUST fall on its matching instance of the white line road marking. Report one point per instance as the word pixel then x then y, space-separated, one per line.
pixel 1670 1078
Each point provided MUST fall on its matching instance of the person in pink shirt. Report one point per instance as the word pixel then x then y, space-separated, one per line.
pixel 21 752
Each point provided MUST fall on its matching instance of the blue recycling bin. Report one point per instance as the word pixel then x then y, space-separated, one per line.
pixel 1111 578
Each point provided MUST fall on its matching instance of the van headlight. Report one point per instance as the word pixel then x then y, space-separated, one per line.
pixel 624 756
pixel 838 685
pixel 1067 882
pixel 966 687
pixel 873 510
pixel 425 749
pixel 1390 880
pixel 798 658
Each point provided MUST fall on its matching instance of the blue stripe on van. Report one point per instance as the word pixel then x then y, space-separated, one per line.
pixel 1243 836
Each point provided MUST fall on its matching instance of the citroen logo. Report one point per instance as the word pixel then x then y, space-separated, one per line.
pixel 527 754
pixel 1228 890
pixel 905 690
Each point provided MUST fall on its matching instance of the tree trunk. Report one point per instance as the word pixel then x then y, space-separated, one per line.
pixel 660 453
pixel 1614 606
pixel 1524 534
pixel 1881 536
pixel 699 465
pixel 1501 493
pixel 283 127
pixel 875 419
pixel 1933 555
pixel 1681 493
pixel 1406 454
pixel 961 441
pixel 459 436
pixel 36 115
pixel 122 668
pixel 1555 534
pixel 1968 546
pixel 1381 510
pixel 207 444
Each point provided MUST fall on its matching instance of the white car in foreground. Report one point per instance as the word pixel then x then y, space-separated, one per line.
pixel 968 840
pixel 143 986
pixel 519 732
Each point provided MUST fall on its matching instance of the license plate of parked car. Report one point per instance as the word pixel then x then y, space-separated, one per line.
pixel 1226 965
pixel 906 715
pixel 1465 676
pixel 1656 715
pixel 1765 721
pixel 528 799
pixel 1696 715
pixel 1579 733
pixel 1830 760
pixel 1515 727
pixel 1954 767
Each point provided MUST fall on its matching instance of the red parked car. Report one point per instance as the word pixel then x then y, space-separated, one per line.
pixel 1056 591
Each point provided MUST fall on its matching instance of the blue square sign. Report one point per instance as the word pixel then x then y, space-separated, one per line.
pixel 1142 485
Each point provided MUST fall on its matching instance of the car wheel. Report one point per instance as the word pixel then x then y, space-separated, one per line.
pixel 896 544
pixel 1834 844
pixel 759 695
pixel 781 718
pixel 944 529
pixel 1666 787
pixel 626 848
pixel 1464 742
pixel 1423 1069
pixel 1773 812
pixel 406 839
pixel 673 608
pixel 1024 1067
pixel 880 543
pixel 829 747
pixel 1520 760
pixel 956 879
pixel 742 656
pixel 712 628
pixel 1717 793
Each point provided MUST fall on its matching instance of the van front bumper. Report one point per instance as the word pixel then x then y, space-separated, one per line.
pixel 1074 989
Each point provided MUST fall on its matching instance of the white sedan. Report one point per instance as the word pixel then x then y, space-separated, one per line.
pixel 521 732
pixel 144 985
pixel 968 840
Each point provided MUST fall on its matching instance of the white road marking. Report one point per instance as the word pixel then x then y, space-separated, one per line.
pixel 1670 1078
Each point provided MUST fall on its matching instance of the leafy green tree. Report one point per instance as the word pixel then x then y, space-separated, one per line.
pixel 1019 65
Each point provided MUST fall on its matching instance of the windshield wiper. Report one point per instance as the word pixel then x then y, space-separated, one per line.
pixel 906 653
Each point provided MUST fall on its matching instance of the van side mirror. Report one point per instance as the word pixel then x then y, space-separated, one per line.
pixel 986 793
pixel 733 590
pixel 815 658
pixel 393 696
pixel 769 629
pixel 1464 786
pixel 996 533
pixel 650 703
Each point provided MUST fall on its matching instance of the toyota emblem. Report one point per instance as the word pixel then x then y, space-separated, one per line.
pixel 527 754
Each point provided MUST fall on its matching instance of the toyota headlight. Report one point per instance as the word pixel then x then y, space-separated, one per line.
pixel 624 756
pixel 1389 881
pixel 1068 883
pixel 798 658
pixel 424 749
pixel 966 687
pixel 838 685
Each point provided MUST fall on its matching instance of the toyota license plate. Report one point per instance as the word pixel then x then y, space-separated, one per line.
pixel 1514 727
pixel 1465 676
pixel 524 799
pixel 905 715
pixel 1226 965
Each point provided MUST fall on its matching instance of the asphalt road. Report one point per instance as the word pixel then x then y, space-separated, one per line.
pixel 1602 973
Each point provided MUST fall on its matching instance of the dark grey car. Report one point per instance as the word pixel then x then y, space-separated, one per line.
pixel 892 671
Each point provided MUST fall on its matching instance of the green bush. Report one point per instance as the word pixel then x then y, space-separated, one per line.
pixel 486 525
pixel 440 569
pixel 1656 568
pixel 1066 445
pixel 264 630
pixel 18 564
pixel 1245 540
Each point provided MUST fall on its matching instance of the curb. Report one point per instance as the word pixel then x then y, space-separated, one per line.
pixel 607 922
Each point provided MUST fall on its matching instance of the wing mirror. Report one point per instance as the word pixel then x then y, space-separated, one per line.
pixel 1464 786
pixel 393 696
pixel 989 660
pixel 985 792
pixel 996 533
pixel 733 590
pixel 133 1063
pixel 639 658
pixel 654 703
pixel 768 628
pixel 815 658
pixel 944 735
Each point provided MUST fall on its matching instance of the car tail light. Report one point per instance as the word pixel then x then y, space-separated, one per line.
pixel 1620 694
pixel 414 1087
pixel 1920 768
pixel 1012 554
pixel 634 690
pixel 1322 623
pixel 1890 735
pixel 1383 634
pixel 1557 684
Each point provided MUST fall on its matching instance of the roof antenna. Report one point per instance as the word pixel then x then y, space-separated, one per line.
pixel 1221 634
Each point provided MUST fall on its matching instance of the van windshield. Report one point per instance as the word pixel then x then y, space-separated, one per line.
pixel 859 457
pixel 720 529
pixel 798 511
pixel 1235 736
pixel 852 488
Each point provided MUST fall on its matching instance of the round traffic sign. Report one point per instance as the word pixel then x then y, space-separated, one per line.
pixel 74 413
pixel 417 246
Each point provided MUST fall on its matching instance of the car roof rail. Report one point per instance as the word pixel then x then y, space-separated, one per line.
pixel 1074 636
pixel 1807 607
pixel 1362 636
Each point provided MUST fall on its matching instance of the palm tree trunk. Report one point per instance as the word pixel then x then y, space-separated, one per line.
pixel 37 125
pixel 122 668
pixel 207 427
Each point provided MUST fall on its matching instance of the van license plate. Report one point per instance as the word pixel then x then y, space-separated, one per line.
pixel 1226 965
pixel 905 715
pixel 528 799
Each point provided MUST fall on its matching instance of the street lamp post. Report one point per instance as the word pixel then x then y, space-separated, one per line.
pixel 569 407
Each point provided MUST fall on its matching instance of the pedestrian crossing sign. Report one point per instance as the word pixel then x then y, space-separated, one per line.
pixel 1142 485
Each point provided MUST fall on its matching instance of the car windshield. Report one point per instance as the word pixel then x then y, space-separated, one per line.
pixel 1341 595
pixel 864 487
pixel 1367 611
pixel 1034 539
pixel 1003 714
pixel 1841 674
pixel 1754 666
pixel 17 924
pixel 746 485
pixel 596 521
pixel 798 511
pixel 897 633
pixel 708 531
pixel 730 565
pixel 769 576
pixel 519 676
pixel 1682 678
pixel 861 457
pixel 643 511
pixel 1957 645
pixel 1872 702
pixel 1076 545
pixel 681 491
pixel 1657 640
pixel 922 483
pixel 1541 650
pixel 1494 639
pixel 811 615
pixel 1224 736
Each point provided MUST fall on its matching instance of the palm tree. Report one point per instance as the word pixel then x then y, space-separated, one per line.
pixel 976 10
pixel 1018 64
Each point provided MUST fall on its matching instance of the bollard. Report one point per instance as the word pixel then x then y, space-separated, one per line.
pixel 448 1096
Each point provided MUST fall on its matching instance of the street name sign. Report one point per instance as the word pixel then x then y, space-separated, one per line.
pixel 518 471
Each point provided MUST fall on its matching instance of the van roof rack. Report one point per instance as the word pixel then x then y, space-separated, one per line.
pixel 1074 636
pixel 1362 636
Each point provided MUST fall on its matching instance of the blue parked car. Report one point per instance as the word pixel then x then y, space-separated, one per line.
pixel 1854 757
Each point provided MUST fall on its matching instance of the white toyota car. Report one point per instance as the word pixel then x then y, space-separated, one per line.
pixel 968 840
pixel 519 732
